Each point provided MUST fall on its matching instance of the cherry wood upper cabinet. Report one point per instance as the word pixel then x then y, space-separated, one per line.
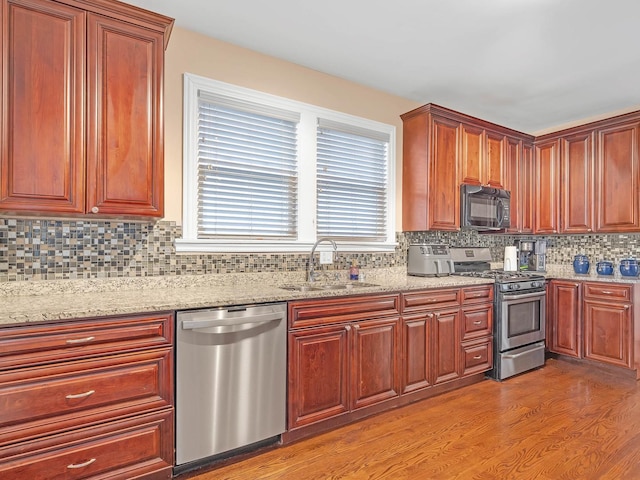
pixel 444 199
pixel 441 150
pixel 43 60
pixel 495 159
pixel 527 177
pixel 617 199
pixel 430 189
pixel 519 168
pixel 482 159
pixel 125 173
pixel 472 165
pixel 82 127
pixel 577 183
pixel 547 190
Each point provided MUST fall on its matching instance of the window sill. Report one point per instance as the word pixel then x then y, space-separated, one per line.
pixel 221 246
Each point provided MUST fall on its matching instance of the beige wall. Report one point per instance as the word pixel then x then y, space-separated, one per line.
pixel 194 53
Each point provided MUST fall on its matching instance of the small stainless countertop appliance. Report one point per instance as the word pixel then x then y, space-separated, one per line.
pixel 429 260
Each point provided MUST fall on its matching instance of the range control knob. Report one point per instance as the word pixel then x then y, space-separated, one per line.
pixel 535 284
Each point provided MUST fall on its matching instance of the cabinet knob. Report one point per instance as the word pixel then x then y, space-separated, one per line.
pixel 348 328
pixel 95 209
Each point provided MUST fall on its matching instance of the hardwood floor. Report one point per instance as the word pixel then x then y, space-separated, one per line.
pixel 566 421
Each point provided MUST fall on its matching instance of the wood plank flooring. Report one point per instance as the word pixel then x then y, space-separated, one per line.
pixel 566 421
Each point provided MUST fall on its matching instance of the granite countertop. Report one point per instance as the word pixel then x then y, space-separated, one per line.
pixel 567 273
pixel 67 299
pixel 38 301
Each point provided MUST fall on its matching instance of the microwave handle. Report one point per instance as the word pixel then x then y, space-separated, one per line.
pixel 500 212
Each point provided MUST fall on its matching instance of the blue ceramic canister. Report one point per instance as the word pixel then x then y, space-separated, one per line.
pixel 629 267
pixel 604 267
pixel 581 264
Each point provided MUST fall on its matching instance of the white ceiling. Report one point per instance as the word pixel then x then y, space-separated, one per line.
pixel 525 64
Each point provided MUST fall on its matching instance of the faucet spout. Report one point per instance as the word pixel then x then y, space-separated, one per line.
pixel 312 273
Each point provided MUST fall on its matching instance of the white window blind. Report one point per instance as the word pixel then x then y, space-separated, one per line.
pixel 247 170
pixel 352 181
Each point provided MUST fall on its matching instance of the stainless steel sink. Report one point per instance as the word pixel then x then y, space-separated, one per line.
pixel 314 287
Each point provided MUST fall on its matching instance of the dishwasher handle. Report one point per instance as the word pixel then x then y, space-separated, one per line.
pixel 224 322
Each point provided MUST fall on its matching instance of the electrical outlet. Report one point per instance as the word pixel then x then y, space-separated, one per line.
pixel 326 258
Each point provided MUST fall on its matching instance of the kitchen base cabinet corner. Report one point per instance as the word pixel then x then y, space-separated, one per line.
pixel 595 321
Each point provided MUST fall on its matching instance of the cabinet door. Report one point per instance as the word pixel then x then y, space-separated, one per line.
pixel 617 179
pixel 494 158
pixel 565 334
pixel 547 194
pixel 607 336
pixel 416 352
pixel 374 362
pixel 447 344
pixel 472 163
pixel 444 190
pixel 577 183
pixel 527 179
pixel 125 145
pixel 514 182
pixel 318 374
pixel 43 70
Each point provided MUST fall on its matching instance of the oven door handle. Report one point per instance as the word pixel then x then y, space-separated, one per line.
pixel 508 297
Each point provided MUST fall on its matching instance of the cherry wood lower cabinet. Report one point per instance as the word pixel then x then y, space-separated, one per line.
pixel 595 321
pixel 89 398
pixel 565 331
pixel 608 323
pixel 351 357
pixel 348 362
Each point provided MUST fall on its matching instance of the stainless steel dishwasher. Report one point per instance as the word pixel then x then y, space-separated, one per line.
pixel 230 380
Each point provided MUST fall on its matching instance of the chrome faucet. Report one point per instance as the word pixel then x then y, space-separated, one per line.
pixel 312 273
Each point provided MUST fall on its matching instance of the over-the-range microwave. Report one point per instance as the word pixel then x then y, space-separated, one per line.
pixel 484 208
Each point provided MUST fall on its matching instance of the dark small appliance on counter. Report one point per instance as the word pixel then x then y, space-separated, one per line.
pixel 429 260
pixel 532 256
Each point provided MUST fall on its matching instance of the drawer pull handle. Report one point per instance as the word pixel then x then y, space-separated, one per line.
pixel 477 322
pixel 477 357
pixel 80 340
pixel 81 465
pixel 80 395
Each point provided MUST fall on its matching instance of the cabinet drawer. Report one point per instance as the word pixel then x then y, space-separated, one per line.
pixel 327 311
pixel 483 293
pixel 607 291
pixel 123 450
pixel 477 322
pixel 477 357
pixel 27 345
pixel 428 299
pixel 42 400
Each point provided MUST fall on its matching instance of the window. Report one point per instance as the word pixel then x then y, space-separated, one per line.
pixel 267 174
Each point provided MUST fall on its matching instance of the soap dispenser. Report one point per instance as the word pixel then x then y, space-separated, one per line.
pixel 354 271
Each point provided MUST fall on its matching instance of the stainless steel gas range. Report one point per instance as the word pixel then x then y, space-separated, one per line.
pixel 519 312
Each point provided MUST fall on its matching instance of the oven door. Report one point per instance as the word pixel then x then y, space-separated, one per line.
pixel 521 319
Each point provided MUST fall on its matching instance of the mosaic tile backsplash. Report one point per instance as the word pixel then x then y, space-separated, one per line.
pixel 37 249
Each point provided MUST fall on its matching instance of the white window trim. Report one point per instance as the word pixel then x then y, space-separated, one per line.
pixel 307 176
